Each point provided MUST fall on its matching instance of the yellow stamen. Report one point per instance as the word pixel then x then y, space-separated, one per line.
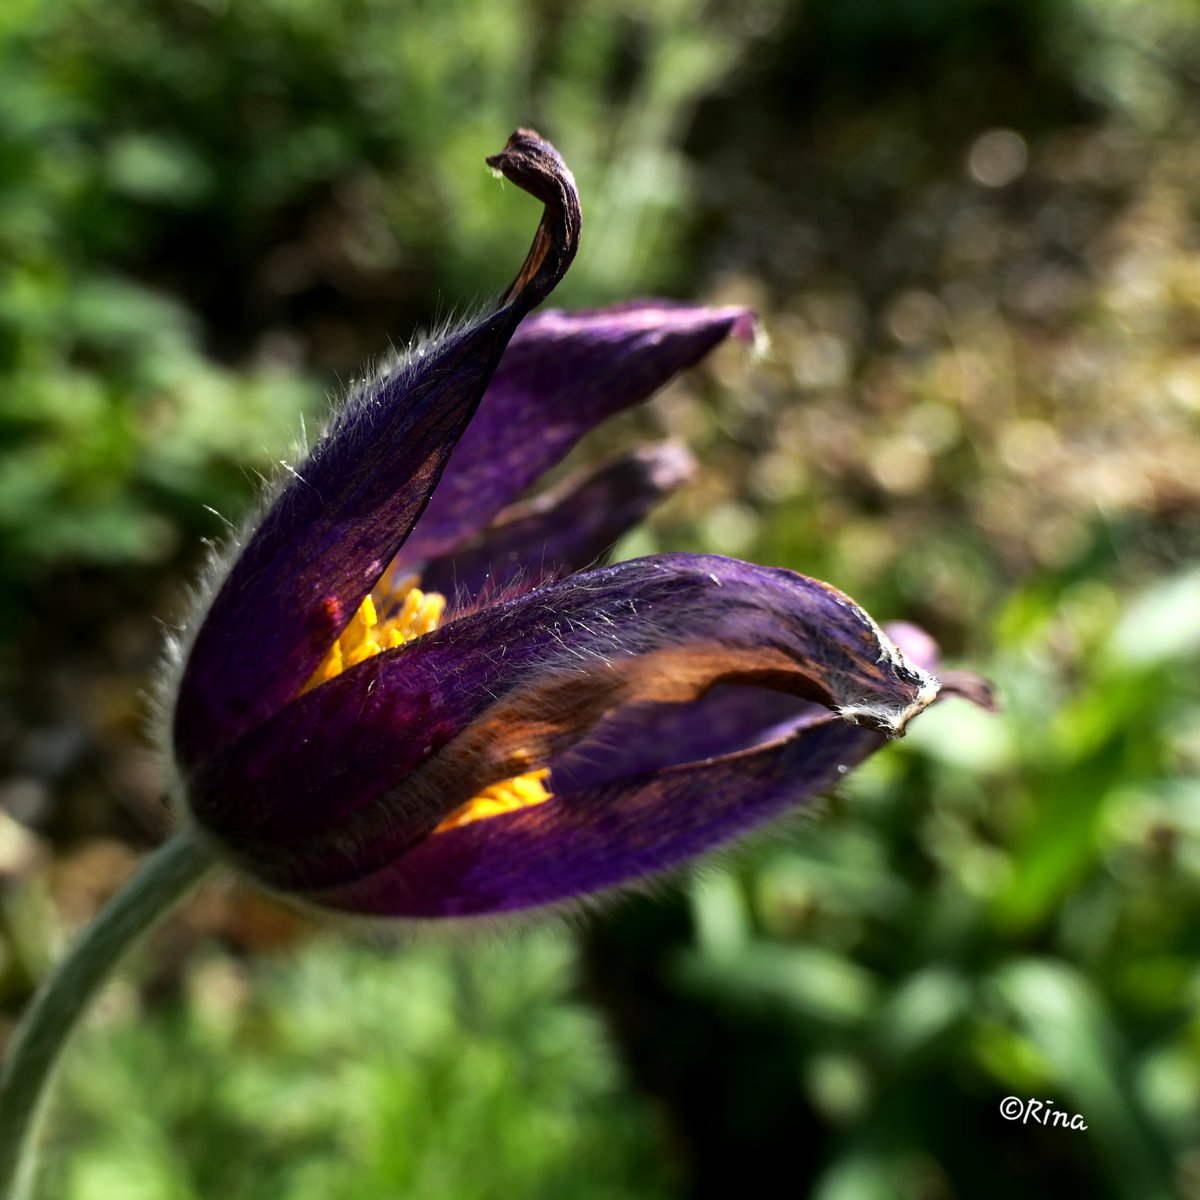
pixel 365 636
pixel 421 613
pixel 522 791
pixel 417 614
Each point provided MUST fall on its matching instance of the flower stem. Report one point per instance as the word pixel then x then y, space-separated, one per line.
pixel 164 879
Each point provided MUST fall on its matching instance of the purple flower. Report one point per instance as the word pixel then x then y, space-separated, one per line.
pixel 411 694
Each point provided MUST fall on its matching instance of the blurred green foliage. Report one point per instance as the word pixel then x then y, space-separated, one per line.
pixel 352 1074
pixel 182 184
pixel 970 228
pixel 998 907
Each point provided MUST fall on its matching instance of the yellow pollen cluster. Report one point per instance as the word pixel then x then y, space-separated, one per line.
pixel 522 791
pixel 420 613
pixel 365 636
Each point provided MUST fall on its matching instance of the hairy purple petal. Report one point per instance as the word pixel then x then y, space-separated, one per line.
pixel 565 530
pixel 587 840
pixel 356 771
pixel 651 737
pixel 562 374
pixel 331 532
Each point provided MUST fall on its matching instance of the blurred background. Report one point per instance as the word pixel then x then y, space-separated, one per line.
pixel 972 231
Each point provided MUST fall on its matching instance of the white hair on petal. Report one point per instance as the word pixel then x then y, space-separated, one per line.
pixel 894 720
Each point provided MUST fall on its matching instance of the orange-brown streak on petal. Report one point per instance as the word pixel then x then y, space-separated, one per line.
pixel 529 728
pixel 595 838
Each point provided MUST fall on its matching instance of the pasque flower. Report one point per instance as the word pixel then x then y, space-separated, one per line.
pixel 413 695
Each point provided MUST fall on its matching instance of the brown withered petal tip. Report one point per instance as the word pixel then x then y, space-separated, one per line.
pixel 970 687
pixel 535 166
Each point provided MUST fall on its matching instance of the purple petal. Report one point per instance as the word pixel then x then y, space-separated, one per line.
pixel 358 770
pixel 332 530
pixel 562 375
pixel 651 737
pixel 595 838
pixel 565 530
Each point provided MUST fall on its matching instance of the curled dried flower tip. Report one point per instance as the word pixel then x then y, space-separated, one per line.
pixel 533 164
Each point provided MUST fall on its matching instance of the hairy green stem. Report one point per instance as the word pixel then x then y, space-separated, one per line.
pixel 165 878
